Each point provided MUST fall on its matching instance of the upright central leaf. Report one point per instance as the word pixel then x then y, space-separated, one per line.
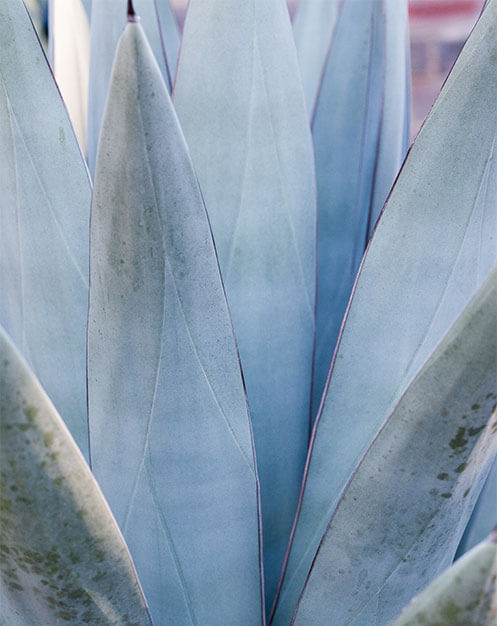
pixel 240 101
pixel 170 435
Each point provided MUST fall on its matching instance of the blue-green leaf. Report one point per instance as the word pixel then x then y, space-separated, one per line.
pixel 399 521
pixel 241 105
pixel 484 516
pixel 433 247
pixel 45 205
pixel 108 18
pixel 359 132
pixel 63 558
pixel 464 595
pixel 169 428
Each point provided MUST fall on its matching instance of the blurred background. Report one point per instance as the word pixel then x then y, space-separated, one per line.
pixel 438 29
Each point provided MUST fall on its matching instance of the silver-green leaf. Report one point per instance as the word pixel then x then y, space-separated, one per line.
pixel 170 434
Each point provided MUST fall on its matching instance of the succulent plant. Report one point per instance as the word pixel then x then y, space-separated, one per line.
pixel 185 306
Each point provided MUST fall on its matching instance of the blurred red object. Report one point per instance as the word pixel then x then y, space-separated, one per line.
pixel 439 29
pixel 428 9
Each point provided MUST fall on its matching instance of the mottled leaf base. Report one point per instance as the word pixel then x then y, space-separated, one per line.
pixel 464 595
pixel 62 556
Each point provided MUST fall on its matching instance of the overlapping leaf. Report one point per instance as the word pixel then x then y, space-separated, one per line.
pixel 63 558
pixel 359 131
pixel 241 105
pixel 45 204
pixel 313 27
pixel 398 524
pixel 484 516
pixel 108 18
pixel 432 248
pixel 170 434
pixel 465 594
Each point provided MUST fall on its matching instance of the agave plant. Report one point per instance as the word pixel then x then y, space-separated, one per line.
pixel 374 422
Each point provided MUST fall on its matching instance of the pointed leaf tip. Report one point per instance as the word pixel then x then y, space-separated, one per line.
pixel 132 16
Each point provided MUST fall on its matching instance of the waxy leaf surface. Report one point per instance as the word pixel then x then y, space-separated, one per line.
pixel 399 522
pixel 108 19
pixel 63 559
pixel 240 102
pixel 44 213
pixel 169 428
pixel 432 248
pixel 359 131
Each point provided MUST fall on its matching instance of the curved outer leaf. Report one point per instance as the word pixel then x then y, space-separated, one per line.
pixel 432 248
pixel 484 516
pixel 108 18
pixel 63 557
pixel 70 45
pixel 45 205
pixel 359 142
pixel 241 105
pixel 399 522
pixel 313 27
pixel 465 594
pixel 170 433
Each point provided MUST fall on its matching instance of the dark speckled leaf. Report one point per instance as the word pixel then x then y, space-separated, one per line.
pixel 63 559
pixel 400 519
pixel 433 247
